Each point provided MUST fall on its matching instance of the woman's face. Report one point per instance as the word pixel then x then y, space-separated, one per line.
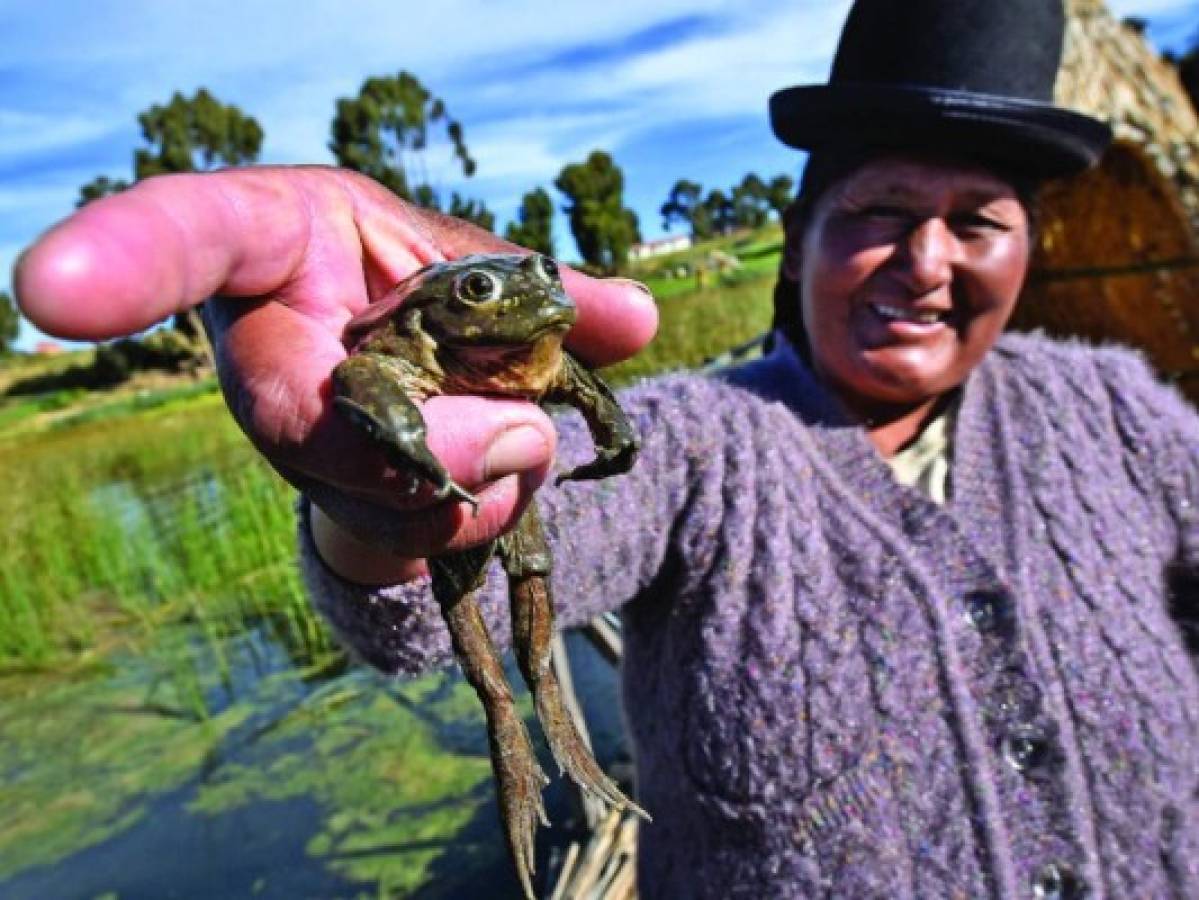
pixel 910 269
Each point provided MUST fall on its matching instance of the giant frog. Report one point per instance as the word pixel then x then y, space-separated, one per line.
pixel 490 325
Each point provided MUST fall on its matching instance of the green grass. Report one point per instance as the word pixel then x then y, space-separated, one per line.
pixel 700 325
pixel 758 253
pixel 119 523
pixel 19 409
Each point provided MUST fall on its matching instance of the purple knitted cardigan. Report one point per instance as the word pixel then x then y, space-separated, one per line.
pixel 837 688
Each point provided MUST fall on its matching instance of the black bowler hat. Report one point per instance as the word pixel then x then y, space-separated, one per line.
pixel 969 78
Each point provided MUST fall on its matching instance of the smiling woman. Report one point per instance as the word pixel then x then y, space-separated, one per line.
pixel 909 270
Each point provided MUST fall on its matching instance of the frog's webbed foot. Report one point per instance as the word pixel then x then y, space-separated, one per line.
pixel 526 559
pixel 368 393
pixel 519 782
pixel 530 597
pixel 519 779
pixel 606 463
pixel 614 436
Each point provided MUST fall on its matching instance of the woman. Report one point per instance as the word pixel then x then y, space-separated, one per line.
pixel 895 596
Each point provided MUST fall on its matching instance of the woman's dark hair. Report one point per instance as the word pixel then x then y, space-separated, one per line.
pixel 824 169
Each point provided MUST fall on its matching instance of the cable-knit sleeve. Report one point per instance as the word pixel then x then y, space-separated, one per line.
pixel 1162 429
pixel 610 538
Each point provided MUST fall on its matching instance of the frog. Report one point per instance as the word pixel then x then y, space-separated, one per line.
pixel 490 325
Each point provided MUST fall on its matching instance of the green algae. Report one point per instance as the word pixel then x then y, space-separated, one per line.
pixel 82 759
pixel 395 800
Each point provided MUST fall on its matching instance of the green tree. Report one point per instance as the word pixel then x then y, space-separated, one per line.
pixel 100 186
pixel 10 322
pixel 751 202
pixel 387 131
pixel 603 227
pixel 686 204
pixel 533 225
pixel 194 135
pixel 472 210
pixel 779 193
pixel 720 211
pixel 185 135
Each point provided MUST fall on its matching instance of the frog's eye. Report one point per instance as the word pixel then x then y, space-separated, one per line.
pixel 546 267
pixel 477 286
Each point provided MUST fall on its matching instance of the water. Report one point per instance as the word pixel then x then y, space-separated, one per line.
pixel 200 761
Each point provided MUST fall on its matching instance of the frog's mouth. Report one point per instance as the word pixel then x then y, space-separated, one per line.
pixel 524 369
pixel 465 342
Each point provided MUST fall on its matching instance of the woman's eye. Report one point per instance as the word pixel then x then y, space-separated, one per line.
pixel 976 223
pixel 477 286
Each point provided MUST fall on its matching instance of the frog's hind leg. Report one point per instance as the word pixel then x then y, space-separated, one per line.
pixel 456 578
pixel 526 559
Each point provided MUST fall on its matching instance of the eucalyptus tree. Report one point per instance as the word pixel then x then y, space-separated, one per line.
pixel 534 220
pixel 392 131
pixel 603 227
pixel 685 205
pixel 10 322
pixel 780 191
pixel 185 134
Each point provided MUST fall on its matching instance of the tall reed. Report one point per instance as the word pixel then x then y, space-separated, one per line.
pixel 115 526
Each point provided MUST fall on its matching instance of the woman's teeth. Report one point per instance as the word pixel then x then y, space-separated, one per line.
pixel 894 314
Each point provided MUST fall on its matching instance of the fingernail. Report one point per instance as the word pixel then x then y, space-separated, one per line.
pixel 636 284
pixel 515 450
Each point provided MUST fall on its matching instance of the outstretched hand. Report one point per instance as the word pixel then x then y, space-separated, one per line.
pixel 288 255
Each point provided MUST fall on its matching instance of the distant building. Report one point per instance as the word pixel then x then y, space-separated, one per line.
pixel 47 347
pixel 660 247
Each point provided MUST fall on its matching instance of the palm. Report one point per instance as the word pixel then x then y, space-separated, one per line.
pixel 290 254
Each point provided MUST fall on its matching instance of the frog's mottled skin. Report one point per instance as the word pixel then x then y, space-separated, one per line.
pixel 489 325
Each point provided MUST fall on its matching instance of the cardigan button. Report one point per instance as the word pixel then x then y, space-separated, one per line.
pixel 1015 698
pixel 1057 881
pixel 989 612
pixel 1027 750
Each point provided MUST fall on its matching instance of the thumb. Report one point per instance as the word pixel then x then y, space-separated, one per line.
pixel 499 450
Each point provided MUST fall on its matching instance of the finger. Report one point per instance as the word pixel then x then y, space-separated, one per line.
pixel 617 317
pixel 122 263
pixel 127 261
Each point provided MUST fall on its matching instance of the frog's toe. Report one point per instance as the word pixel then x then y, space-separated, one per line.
pixel 453 489
pixel 571 753
pixel 606 463
pixel 519 783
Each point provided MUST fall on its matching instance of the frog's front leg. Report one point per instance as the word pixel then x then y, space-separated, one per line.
pixel 369 391
pixel 456 579
pixel 614 436
pixel 526 559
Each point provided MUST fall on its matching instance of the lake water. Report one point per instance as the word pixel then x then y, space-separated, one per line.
pixel 202 760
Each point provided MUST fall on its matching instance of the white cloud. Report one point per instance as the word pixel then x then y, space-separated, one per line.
pixel 32 132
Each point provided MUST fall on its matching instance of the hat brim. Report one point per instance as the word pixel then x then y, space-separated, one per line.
pixel 1031 137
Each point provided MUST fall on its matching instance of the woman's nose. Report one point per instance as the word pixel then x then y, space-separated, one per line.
pixel 930 251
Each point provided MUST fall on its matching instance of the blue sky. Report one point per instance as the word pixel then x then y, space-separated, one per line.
pixel 672 89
